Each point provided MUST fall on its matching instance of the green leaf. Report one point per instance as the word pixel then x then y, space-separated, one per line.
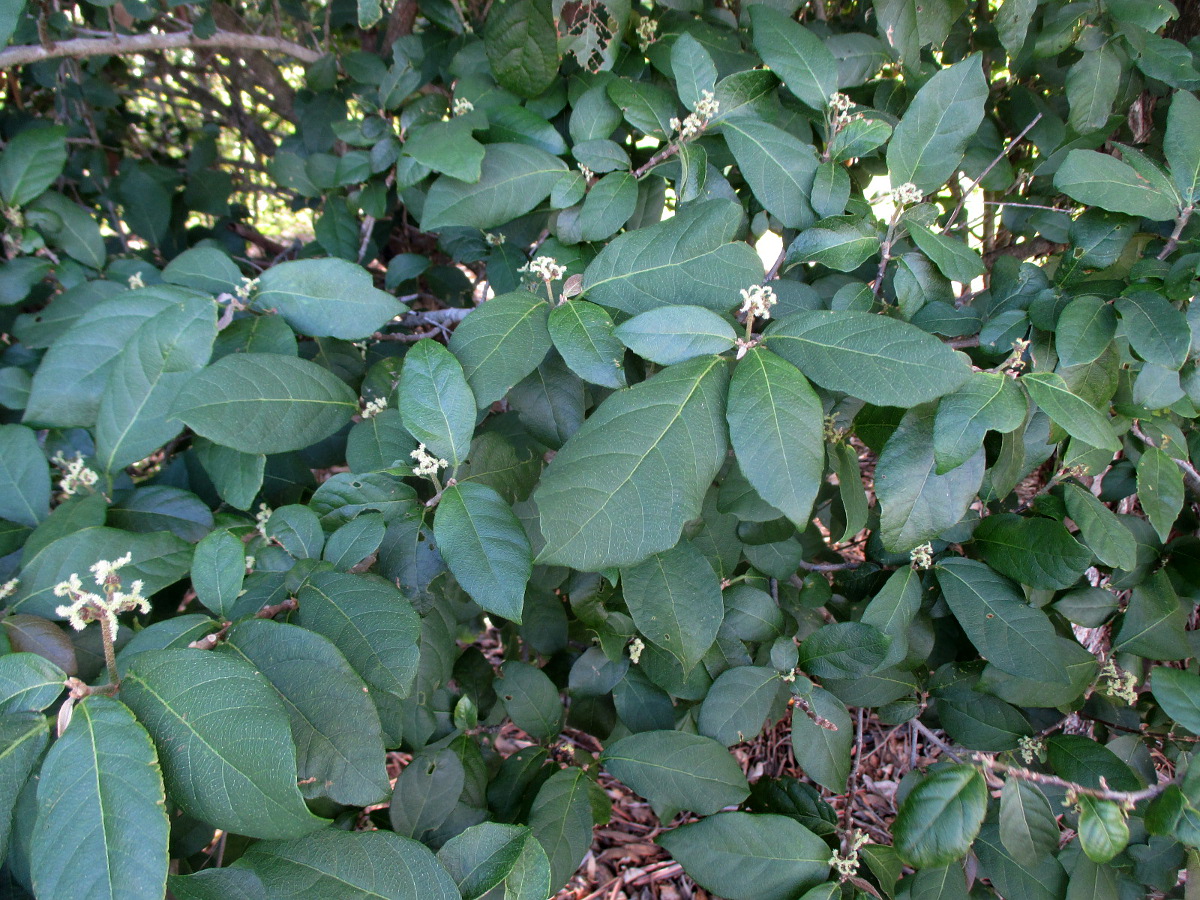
pixel 940 817
pixel 30 163
pixel 265 403
pixel 954 259
pixel 427 793
pixel 677 770
pixel 369 621
pixel 647 107
pixel 1179 144
pixel 1092 85
pixel 102 822
pixel 67 385
pixel 686 259
pixel 223 740
pixel 24 476
pixel 1012 23
pixel 515 179
pixel 893 609
pixel 1178 693
pixel 1028 828
pixel 135 416
pixel 746 856
pixel 326 298
pixel 821 752
pixel 1007 631
pixel 75 231
pixel 1096 179
pixel 987 402
pixel 500 343
pixel 1154 623
pixel 943 883
pixel 159 559
pixel 778 167
pixel 853 496
pixel 843 650
pixel 796 55
pixel 609 204
pixel 237 476
pixel 917 504
pixel 1100 528
pixel 737 704
pixel 909 25
pixel 1044 881
pixel 842 242
pixel 485 547
pixel 928 144
pixel 23 740
pixel 672 334
pixel 491 855
pixel 335 727
pixel 447 147
pixel 1075 415
pixel 1035 551
pixel 693 68
pixel 436 403
pixel 1085 328
pixel 370 865
pixel 674 598
pixel 775 426
pixel 205 269
pixel 354 541
pixel 218 570
pixel 1084 761
pixel 522 46
pixel 582 333
pixel 531 700
pixel 1103 831
pixel 880 360
pixel 1160 489
pixel 28 682
pixel 1156 330
pixel 625 483
pixel 561 820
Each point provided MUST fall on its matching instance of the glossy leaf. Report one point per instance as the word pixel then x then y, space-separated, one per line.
pixel 940 817
pixel 1035 551
pixel 677 770
pixel 28 682
pixel 1097 179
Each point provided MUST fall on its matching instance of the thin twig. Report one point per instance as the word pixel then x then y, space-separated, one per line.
pixel 942 745
pixel 1191 477
pixel 1100 793
pixel 995 162
pixel 121 45
pixel 1180 224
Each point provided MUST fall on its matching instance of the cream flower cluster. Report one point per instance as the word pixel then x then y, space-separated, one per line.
pixel 247 287
pixel 427 463
pixel 372 408
pixel 706 107
pixel 135 281
pixel 757 301
pixel 847 866
pixel 907 193
pixel 922 557
pixel 1118 683
pixel 261 518
pixel 462 106
pixel 545 268
pixel 647 33
pixel 87 606
pixel 76 475
pixel 636 647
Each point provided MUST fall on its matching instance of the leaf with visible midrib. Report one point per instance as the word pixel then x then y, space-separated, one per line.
pixel 684 771
pixel 1034 551
pixel 436 403
pixel 101 829
pixel 795 54
pixel 561 820
pixel 883 361
pixel 515 179
pixel 223 739
pixel 500 343
pixel 326 298
pixel 23 739
pixel 265 403
pixel 485 547
pixel 1074 414
pixel 778 167
pixel 583 335
pixel 626 482
pixel 940 818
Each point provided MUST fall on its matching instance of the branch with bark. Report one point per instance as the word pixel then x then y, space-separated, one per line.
pixel 125 44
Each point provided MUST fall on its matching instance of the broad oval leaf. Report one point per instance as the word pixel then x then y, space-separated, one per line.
pixel 24 476
pixel 1100 529
pixel 490 854
pixel 674 598
pixel 917 504
pixel 583 335
pixel 515 179
pixel 625 483
pixel 23 740
pixel 1028 828
pixel 335 726
pixel 738 703
pixel 1008 632
pixel 941 816
pixel 436 403
pixel 747 856
pixel 522 46
pixel 367 865
pixel 223 740
pixel 677 770
pixel 101 830
pixel 1178 693
pixel 1156 329
pixel 880 360
pixel 1074 414
pixel 796 55
pixel 776 428
pixel 843 650
pixel 485 547
pixel 1085 327
pixel 265 403
pixel 987 402
pixel 369 621
pixel 691 258
pixel 218 570
pixel 1097 179
pixel 31 161
pixel 674 334
pixel 28 682
pixel 326 298
pixel 500 343
pixel 1034 551
pixel 531 700
pixel 929 142
pixel 1103 830
pixel 821 751
pixel 561 820
pixel 779 168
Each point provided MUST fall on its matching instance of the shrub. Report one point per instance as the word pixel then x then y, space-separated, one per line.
pixel 651 376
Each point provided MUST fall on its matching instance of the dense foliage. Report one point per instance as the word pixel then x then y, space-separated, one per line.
pixel 648 376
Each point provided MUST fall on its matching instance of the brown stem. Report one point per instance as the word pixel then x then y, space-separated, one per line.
pixel 1102 793
pixel 995 162
pixel 120 45
pixel 110 651
pixel 1180 224
pixel 271 611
